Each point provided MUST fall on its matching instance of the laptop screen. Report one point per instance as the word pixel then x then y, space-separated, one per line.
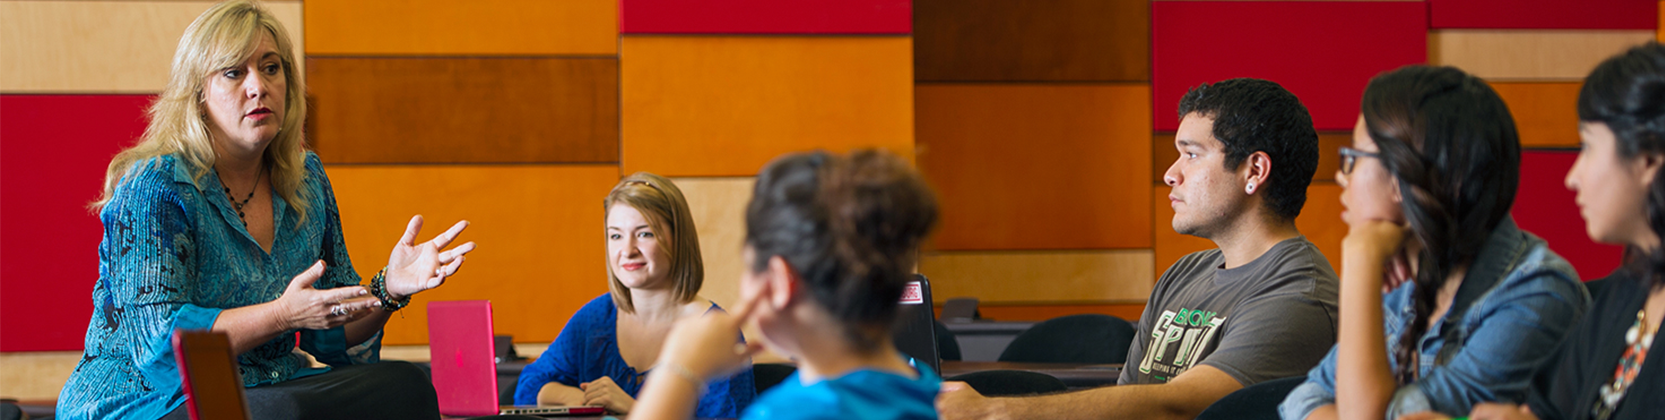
pixel 462 353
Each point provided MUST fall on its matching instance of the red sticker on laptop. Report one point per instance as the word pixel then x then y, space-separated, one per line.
pixel 912 294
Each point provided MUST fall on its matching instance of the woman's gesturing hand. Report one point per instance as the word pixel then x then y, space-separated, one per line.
pixel 302 306
pixel 708 346
pixel 413 267
pixel 605 393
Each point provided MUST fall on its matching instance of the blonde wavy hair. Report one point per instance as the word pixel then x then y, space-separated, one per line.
pixel 224 36
pixel 666 211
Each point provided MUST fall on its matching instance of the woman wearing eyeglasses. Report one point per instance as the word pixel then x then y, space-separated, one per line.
pixel 1445 303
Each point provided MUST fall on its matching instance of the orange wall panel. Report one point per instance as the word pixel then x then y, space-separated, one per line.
pixel 1546 114
pixel 1048 166
pixel 725 106
pixel 441 27
pixel 1320 221
pixel 1003 40
pixel 1040 276
pixel 541 252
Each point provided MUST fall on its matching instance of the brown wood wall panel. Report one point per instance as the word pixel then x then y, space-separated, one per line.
pixel 464 110
pixel 1037 166
pixel 1320 221
pixel 1031 277
pixel 539 229
pixel 1529 55
pixel 1546 113
pixel 101 46
pixel 478 27
pixel 1002 40
pixel 727 105
pixel 1005 312
pixel 1329 155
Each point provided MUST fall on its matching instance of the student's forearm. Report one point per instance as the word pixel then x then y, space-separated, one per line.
pixel 666 396
pixel 1363 382
pixel 555 393
pixel 363 328
pixel 249 326
pixel 1126 401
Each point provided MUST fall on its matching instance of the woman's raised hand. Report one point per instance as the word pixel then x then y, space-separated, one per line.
pixel 413 267
pixel 302 306
pixel 708 346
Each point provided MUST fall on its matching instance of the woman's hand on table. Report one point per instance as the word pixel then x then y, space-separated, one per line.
pixel 302 306
pixel 413 268
pixel 603 392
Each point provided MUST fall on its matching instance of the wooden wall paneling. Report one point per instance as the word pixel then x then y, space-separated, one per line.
pixel 52 165
pixel 1542 14
pixel 719 210
pixel 1320 221
pixel 1661 25
pixel 1545 207
pixel 1324 52
pixel 766 17
pixel 1329 155
pixel 1008 312
pixel 103 47
pixel 465 110
pixel 1529 55
pixel 725 106
pixel 1031 277
pixel 541 251
pixel 1546 113
pixel 1037 166
pixel 439 27
pixel 36 376
pixel 995 40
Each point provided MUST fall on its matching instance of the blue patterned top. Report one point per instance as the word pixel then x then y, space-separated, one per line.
pixel 588 349
pixel 174 255
pixel 864 394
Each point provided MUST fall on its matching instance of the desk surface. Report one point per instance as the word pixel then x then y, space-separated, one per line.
pixel 1075 375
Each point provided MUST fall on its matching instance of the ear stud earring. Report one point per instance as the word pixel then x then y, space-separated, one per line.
pixel 1251 188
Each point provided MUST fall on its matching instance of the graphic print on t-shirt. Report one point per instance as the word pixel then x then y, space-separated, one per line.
pixel 1177 342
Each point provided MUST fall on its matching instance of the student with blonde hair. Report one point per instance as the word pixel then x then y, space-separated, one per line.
pixel 220 219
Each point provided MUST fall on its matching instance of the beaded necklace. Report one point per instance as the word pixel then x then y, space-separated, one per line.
pixel 239 205
pixel 1637 340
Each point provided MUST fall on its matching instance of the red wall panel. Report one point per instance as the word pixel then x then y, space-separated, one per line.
pixel 1324 52
pixel 1545 207
pixel 765 16
pixel 53 153
pixel 1542 14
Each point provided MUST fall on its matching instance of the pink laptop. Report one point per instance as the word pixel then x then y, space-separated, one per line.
pixel 464 362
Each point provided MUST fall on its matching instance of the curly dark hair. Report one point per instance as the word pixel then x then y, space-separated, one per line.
pixel 1254 115
pixel 1627 92
pixel 1451 145
pixel 851 227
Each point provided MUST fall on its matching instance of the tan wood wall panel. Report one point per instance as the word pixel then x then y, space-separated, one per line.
pixel 1037 166
pixel 36 376
pixel 725 106
pixel 1030 277
pixel 1128 311
pixel 1320 221
pixel 1529 55
pixel 465 110
pixel 541 251
pixel 719 209
pixel 1546 113
pixel 1329 155
pixel 103 46
pixel 1000 40
pixel 482 27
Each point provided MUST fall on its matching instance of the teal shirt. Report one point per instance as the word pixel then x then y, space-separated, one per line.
pixel 863 394
pixel 174 255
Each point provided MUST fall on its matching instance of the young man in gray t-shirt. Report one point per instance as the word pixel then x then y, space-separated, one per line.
pixel 1260 307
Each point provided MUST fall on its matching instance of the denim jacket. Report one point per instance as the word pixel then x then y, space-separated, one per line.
pixel 1515 304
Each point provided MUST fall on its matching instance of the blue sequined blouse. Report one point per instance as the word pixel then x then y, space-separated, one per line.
pixel 174 255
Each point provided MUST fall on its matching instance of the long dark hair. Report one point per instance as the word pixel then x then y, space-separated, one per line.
pixel 1451 144
pixel 1627 92
pixel 850 226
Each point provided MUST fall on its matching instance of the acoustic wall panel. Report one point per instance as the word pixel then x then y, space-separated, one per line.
pixel 482 27
pixel 1545 207
pixel 539 228
pixel 1324 52
pixel 718 206
pixel 52 164
pixel 1546 113
pixel 1320 222
pixel 1529 55
pixel 1542 14
pixel 725 106
pixel 1001 40
pixel 766 17
pixel 103 47
pixel 1329 155
pixel 1037 166
pixel 464 110
pixel 1094 276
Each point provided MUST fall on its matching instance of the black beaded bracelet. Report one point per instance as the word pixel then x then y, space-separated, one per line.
pixel 378 288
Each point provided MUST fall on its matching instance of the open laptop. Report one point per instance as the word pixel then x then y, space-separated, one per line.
pixel 916 334
pixel 464 359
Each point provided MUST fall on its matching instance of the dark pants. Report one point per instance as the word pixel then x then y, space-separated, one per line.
pixel 387 390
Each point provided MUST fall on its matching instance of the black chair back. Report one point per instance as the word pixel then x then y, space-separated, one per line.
pixel 1085 338
pixel 1258 401
pixel 948 348
pixel 767 375
pixel 1005 383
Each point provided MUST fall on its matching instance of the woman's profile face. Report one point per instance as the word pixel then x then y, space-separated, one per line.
pixel 1611 190
pixel 1368 191
pixel 633 253
pixel 245 102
